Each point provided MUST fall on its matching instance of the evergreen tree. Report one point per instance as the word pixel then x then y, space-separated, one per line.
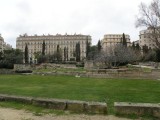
pixel 26 57
pixel 137 47
pixel 124 41
pixel 87 48
pixel 65 53
pixel 1 56
pixel 43 48
pixel 158 55
pixel 78 52
pixel 58 54
pixel 145 49
pixel 99 46
pixel 133 46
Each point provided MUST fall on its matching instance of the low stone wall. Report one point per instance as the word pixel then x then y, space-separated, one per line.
pixel 22 67
pixel 74 106
pixel 6 71
pixel 138 109
pixel 54 66
pixel 42 66
pixel 120 73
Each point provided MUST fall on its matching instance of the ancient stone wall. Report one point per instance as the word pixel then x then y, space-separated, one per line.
pixel 139 109
pixel 75 106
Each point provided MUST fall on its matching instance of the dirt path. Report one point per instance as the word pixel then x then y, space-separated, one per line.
pixel 12 114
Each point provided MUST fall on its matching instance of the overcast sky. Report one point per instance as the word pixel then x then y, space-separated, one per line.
pixel 89 17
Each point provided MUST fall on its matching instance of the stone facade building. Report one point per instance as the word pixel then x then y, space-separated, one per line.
pixel 51 42
pixel 110 40
pixel 4 45
pixel 7 46
pixel 145 38
pixel 1 43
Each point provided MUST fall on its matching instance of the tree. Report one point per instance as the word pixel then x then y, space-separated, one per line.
pixel 120 55
pixel 42 58
pixel 78 52
pixel 87 48
pixel 145 49
pixel 65 53
pixel 43 48
pixel 137 47
pixel 150 17
pixel 133 46
pixel 99 46
pixel 11 57
pixel 1 55
pixel 26 57
pixel 93 52
pixel 124 41
pixel 158 55
pixel 58 54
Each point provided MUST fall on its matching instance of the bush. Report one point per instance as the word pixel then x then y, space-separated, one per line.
pixel 158 55
pixel 6 64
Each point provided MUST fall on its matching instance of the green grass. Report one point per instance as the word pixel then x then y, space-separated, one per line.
pixel 88 89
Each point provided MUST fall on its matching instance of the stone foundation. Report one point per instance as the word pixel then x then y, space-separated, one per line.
pixel 138 109
pixel 70 105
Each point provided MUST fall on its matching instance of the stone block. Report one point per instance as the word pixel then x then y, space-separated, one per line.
pixel 40 102
pixel 156 112
pixel 57 104
pixel 138 109
pixel 96 108
pixel 27 100
pixel 50 103
pixel 2 98
pixel 75 106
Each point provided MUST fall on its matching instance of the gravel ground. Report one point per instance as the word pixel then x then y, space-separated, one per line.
pixel 12 114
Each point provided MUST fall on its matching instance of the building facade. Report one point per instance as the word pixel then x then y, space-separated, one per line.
pixel 69 42
pixel 1 43
pixel 145 38
pixel 111 40
pixel 7 46
pixel 4 45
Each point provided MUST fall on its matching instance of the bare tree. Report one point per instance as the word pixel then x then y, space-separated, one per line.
pixel 149 16
pixel 114 56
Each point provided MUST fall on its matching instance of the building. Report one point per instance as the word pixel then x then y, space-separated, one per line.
pixel 145 38
pixel 110 40
pixel 136 42
pixel 1 43
pixel 7 46
pixel 51 42
pixel 4 45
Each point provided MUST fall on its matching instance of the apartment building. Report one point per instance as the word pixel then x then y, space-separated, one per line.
pixel 4 45
pixel 51 41
pixel 110 40
pixel 1 43
pixel 146 39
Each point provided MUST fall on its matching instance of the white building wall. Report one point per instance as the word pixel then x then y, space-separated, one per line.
pixel 69 41
pixel 110 40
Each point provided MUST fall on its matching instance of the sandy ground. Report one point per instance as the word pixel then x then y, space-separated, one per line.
pixel 12 114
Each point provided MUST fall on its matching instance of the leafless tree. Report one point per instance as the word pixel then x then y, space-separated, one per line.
pixel 114 56
pixel 149 16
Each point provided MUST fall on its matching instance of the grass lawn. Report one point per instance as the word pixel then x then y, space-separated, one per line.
pixel 88 89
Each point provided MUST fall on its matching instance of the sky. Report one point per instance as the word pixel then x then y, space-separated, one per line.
pixel 88 17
